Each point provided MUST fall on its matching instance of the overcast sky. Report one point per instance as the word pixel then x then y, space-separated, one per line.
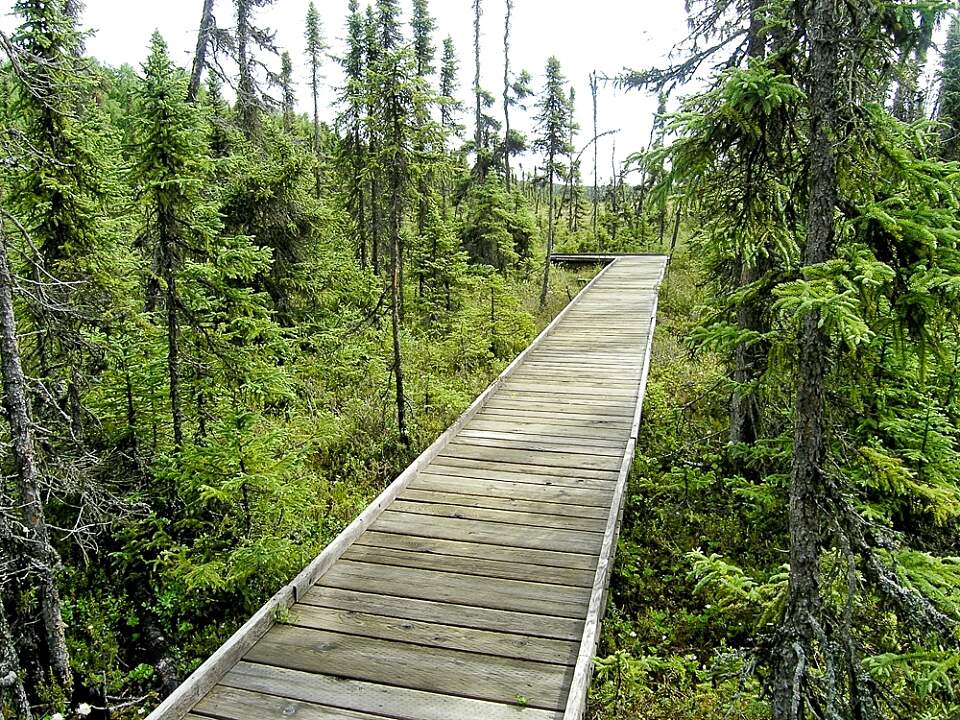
pixel 604 35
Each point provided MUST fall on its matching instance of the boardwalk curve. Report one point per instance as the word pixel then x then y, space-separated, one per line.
pixel 472 588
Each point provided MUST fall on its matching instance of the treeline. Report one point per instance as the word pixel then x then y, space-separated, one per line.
pixel 226 324
pixel 806 498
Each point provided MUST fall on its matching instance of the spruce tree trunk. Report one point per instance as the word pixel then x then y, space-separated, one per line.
pixel 246 88
pixel 750 361
pixel 676 229
pixel 173 330
pixel 808 490
pixel 478 115
pixel 506 95
pixel 203 45
pixel 11 682
pixel 315 88
pixel 596 163
pixel 375 224
pixel 361 213
pixel 550 229
pixel 395 321
pixel 396 271
pixel 44 560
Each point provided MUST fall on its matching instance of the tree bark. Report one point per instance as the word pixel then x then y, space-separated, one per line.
pixel 550 231
pixel 247 102
pixel 358 196
pixel 203 45
pixel 478 119
pixel 173 331
pixel 506 95
pixel 396 271
pixel 596 162
pixel 808 489
pixel 748 364
pixel 676 229
pixel 375 224
pixel 44 561
pixel 10 672
pixel 750 360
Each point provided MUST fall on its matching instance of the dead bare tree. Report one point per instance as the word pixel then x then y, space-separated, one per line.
pixel 205 39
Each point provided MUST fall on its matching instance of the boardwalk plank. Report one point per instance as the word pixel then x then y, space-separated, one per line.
pixel 508 517
pixel 571 541
pixel 508 621
pixel 498 503
pixel 489 461
pixel 570 431
pixel 536 492
pixel 431 634
pixel 569 460
pixel 556 445
pixel 226 703
pixel 493 593
pixel 450 672
pixel 459 549
pixel 393 702
pixel 482 567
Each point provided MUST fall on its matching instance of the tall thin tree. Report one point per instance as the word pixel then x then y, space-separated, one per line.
pixel 553 123
pixel 205 42
pixel 316 46
pixel 507 26
pixel 477 91
pixel 809 483
pixel 594 88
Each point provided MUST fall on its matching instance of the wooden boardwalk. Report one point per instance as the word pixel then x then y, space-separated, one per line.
pixel 473 587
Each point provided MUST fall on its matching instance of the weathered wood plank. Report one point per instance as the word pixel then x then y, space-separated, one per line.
pixel 555 445
pixel 547 385
pixel 554 417
pixel 481 567
pixel 551 435
pixel 590 497
pixel 509 621
pixel 493 593
pixel 525 404
pixel 571 460
pixel 431 634
pixel 394 702
pixel 439 670
pixel 507 517
pixel 587 398
pixel 569 541
pixel 500 553
pixel 518 477
pixel 569 432
pixel 491 463
pixel 227 703
pixel 498 503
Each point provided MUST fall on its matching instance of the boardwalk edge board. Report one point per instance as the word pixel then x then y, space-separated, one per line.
pixel 182 700
pixel 583 671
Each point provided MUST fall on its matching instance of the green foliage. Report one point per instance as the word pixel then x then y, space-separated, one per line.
pixel 950 93
pixel 221 360
pixel 554 120
pixel 497 228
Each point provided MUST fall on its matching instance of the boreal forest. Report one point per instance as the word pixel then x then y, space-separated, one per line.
pixel 227 324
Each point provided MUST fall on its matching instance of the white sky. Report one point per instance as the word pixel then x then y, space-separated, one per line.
pixel 606 35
